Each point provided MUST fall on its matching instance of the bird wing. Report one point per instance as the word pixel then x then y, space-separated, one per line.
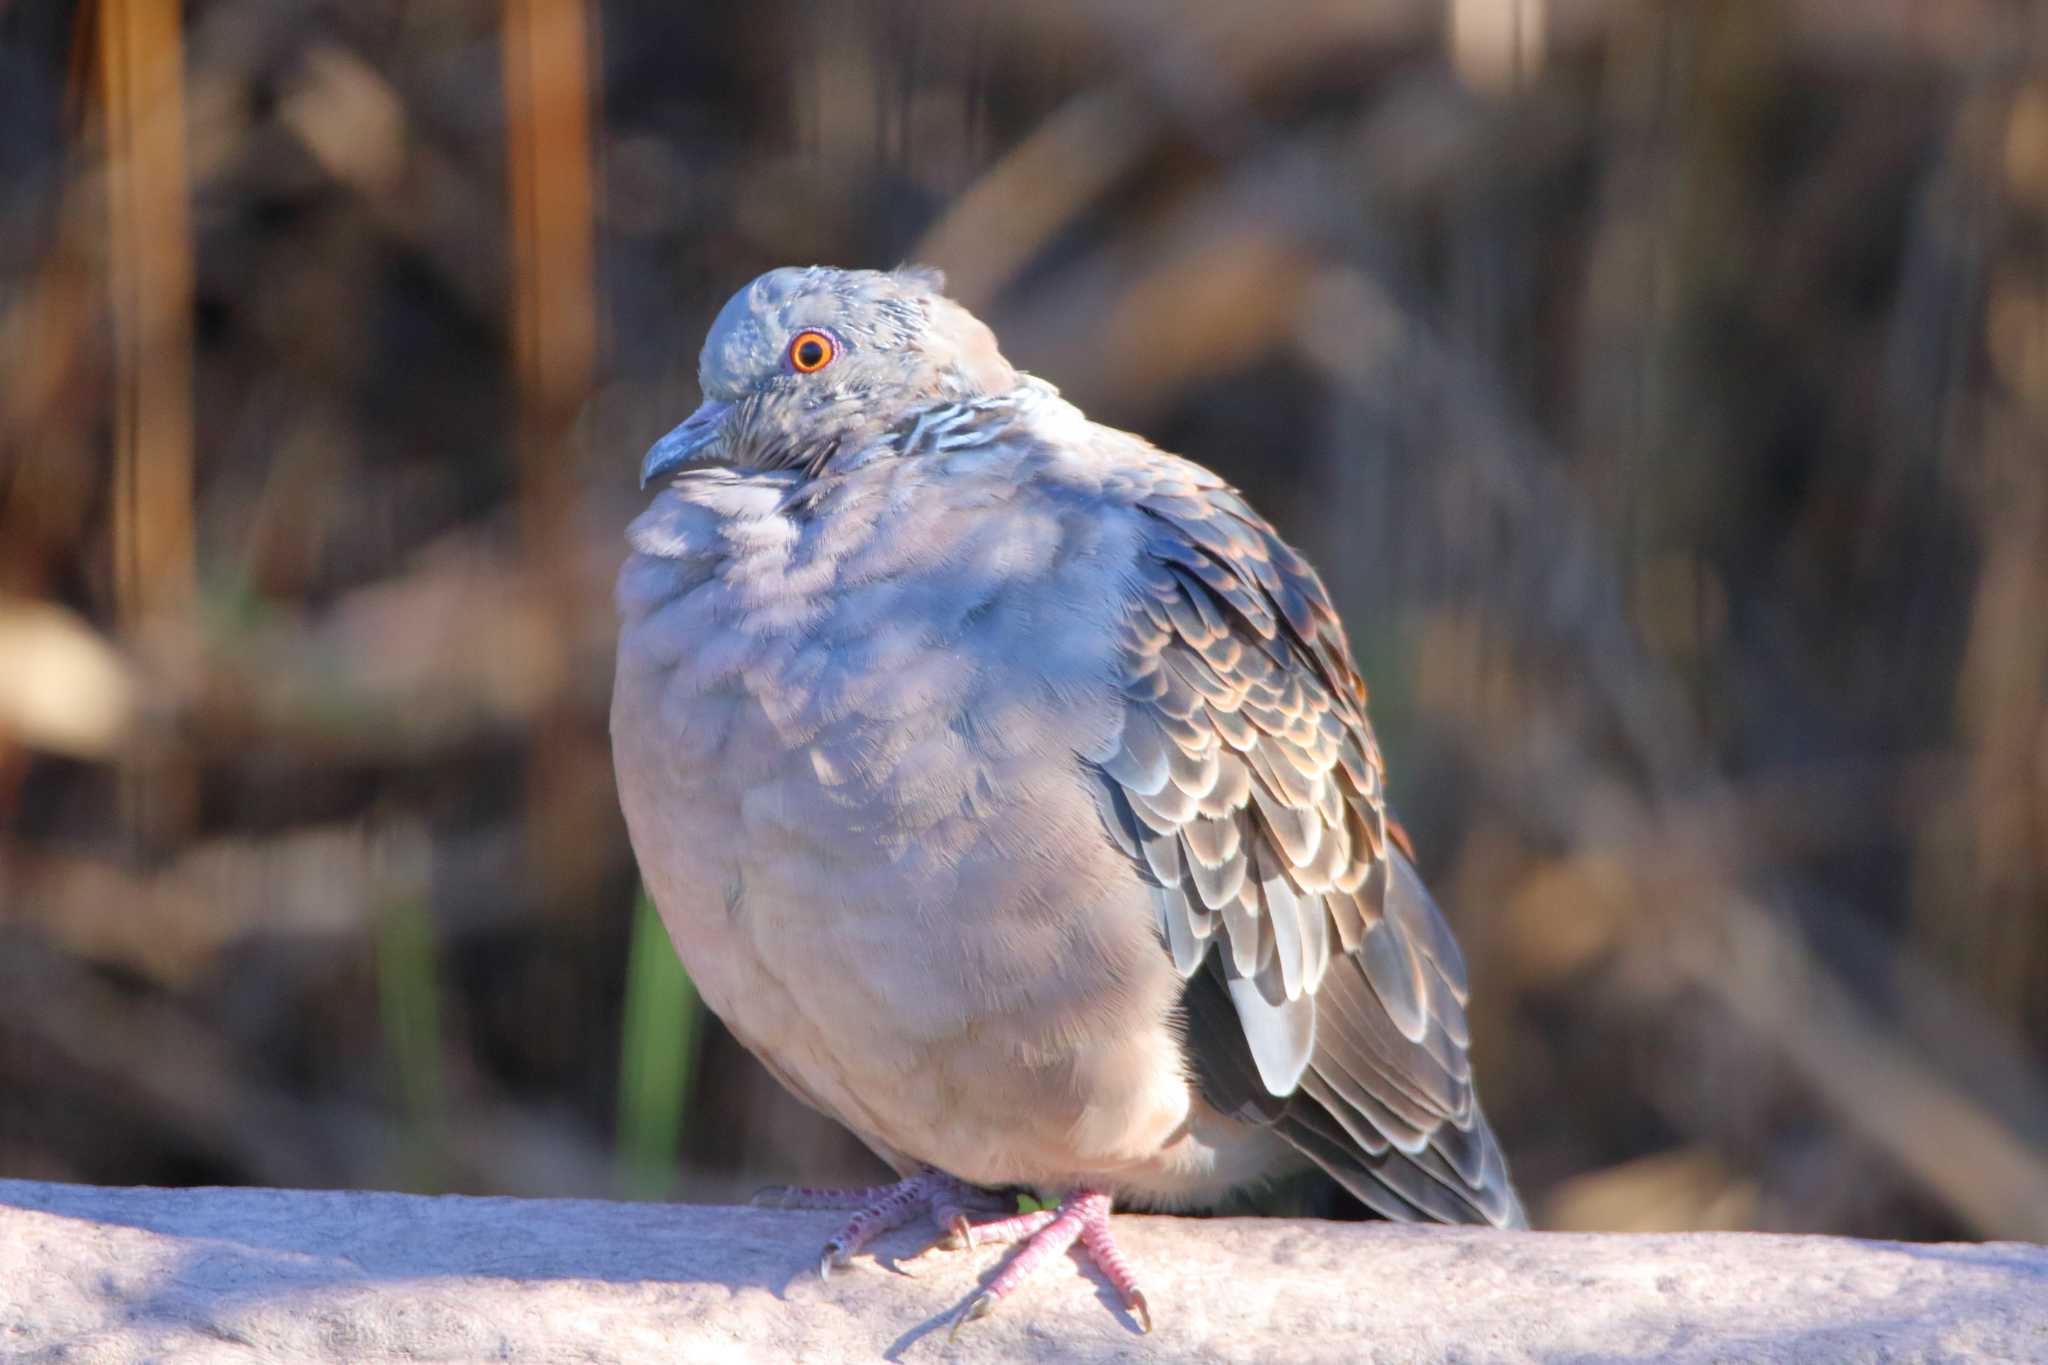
pixel 1325 993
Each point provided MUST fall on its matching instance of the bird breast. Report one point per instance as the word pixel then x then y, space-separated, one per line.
pixel 851 718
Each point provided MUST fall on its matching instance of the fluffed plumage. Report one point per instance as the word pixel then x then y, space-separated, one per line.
pixel 1006 784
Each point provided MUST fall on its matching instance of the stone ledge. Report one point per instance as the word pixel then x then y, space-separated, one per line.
pixel 89 1274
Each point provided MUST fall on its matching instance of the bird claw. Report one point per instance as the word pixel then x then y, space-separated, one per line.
pixel 980 1306
pixel 1045 1233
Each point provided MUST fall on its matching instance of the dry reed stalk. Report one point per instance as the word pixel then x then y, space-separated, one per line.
pixel 547 53
pixel 149 280
pixel 149 274
pixel 547 49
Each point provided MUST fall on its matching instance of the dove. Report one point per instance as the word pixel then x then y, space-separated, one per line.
pixel 1006 786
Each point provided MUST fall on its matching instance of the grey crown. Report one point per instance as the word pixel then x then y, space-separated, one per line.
pixel 1007 786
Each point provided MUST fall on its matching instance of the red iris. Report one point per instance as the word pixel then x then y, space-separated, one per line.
pixel 811 351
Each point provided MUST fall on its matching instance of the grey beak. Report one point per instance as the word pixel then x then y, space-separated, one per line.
pixel 680 446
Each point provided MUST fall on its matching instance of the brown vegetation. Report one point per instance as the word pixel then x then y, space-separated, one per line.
pixel 1662 389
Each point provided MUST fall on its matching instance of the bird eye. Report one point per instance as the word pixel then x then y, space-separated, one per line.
pixel 810 352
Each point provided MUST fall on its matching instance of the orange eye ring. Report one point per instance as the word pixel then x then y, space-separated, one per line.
pixel 811 351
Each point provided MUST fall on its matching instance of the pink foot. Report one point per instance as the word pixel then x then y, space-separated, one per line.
pixel 1046 1234
pixel 879 1208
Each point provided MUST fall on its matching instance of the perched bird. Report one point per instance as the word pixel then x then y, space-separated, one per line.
pixel 1006 786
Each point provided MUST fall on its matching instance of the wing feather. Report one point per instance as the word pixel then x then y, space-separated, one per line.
pixel 1325 992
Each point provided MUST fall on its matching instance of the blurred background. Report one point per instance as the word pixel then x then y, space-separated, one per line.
pixel 1662 390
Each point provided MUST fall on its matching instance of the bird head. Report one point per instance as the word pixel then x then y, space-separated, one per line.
pixel 806 362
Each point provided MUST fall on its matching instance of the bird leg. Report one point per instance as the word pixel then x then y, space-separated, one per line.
pixel 879 1208
pixel 1045 1234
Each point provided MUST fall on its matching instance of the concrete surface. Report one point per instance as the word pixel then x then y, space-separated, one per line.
pixel 245 1275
